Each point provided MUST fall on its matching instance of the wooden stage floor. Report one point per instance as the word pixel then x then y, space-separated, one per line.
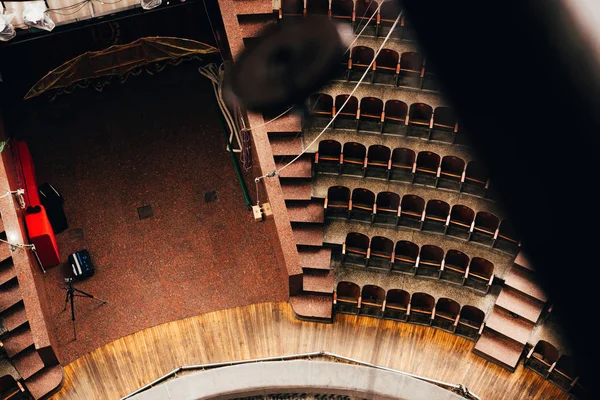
pixel 270 329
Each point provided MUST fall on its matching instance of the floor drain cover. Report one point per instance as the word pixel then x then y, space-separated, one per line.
pixel 210 196
pixel 76 234
pixel 145 211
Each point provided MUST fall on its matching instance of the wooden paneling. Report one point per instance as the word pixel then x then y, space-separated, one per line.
pixel 269 329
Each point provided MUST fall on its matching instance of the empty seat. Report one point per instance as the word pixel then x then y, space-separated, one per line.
pixel 436 216
pixel 371 302
pixel 387 208
pixel 337 202
pixel 342 10
pixel 370 114
pixel 394 117
pixel 470 322
pixel 429 80
pixel 403 165
pixel 411 70
pixel 346 116
pixel 320 109
pixel 355 249
pixel 317 7
pixel 454 267
pixel 451 172
pixel 382 253
pixel 480 274
pixel 411 211
pixel 378 161
pixel 360 60
pixel 291 8
pixel 542 357
pixel 396 304
pixel 329 156
pixel 485 227
pixel 421 307
pixel 461 221
pixel 363 11
pixel 362 204
pixel 388 12
pixel 12 389
pixel 506 238
pixel 386 67
pixel 407 31
pixel 346 297
pixel 405 257
pixel 445 125
pixel 430 261
pixel 354 159
pixel 446 316
pixel 427 170
pixel 564 372
pixel 476 179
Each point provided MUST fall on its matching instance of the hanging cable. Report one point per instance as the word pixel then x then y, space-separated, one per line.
pixel 277 171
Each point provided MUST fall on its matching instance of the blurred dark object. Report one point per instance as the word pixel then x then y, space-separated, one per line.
pixel 292 60
pixel 53 202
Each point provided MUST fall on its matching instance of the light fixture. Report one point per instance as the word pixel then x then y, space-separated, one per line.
pixel 7 31
pixel 150 4
pixel 34 15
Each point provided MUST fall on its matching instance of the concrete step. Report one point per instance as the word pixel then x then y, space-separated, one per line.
pixel 253 7
pixel 499 349
pixel 10 294
pixel 301 168
pixel 14 317
pixel 290 122
pixel 315 257
pixel 7 270
pixel 523 261
pixel 313 307
pixel 294 189
pixel 28 362
pixel 317 281
pixel 288 145
pixel 523 280
pixel 18 340
pixel 520 304
pixel 45 382
pixel 308 234
pixel 308 211
pixel 514 328
pixel 5 253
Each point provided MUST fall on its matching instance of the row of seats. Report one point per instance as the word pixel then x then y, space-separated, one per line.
pixel 403 165
pixel 428 261
pixel 393 117
pixel 357 13
pixel 408 69
pixel 399 305
pixel 545 359
pixel 411 211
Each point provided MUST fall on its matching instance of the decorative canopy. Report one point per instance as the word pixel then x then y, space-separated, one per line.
pixel 118 60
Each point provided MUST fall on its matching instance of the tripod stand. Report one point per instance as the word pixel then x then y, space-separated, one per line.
pixel 71 294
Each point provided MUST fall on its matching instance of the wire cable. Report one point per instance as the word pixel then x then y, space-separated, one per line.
pixel 278 171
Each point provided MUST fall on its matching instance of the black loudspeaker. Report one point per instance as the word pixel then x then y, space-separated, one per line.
pixel 290 61
pixel 81 264
pixel 53 202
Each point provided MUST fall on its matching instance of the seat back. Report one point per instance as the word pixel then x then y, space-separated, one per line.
pixel 481 267
pixel 456 260
pixel 413 204
pixel 363 10
pixel 388 60
pixel 448 307
pixel 462 215
pixel 428 161
pixel 358 241
pixel 371 108
pixel 398 298
pixel 419 114
pixel 388 201
pixel 317 7
pixel 406 250
pixel 373 294
pixel 402 157
pixel 487 221
pixel 363 197
pixel 452 167
pixel 362 56
pixel 350 109
pixel 338 195
pixel 382 246
pixel 348 291
pixel 396 110
pixel 379 154
pixel 444 118
pixel 292 7
pixel 410 62
pixel 354 151
pixel 422 301
pixel 476 172
pixel 342 9
pixel 437 209
pixel 546 351
pixel 330 149
pixel 388 12
pixel 431 255
pixel 320 104
pixel 472 315
pixel 507 231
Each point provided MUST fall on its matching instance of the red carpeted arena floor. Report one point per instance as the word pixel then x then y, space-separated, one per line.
pixel 155 140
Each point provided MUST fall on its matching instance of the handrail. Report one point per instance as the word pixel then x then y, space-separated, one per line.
pixel 458 388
